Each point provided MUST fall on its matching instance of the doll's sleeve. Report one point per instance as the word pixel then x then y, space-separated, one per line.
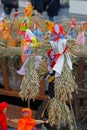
pixel 34 122
pixel 3 126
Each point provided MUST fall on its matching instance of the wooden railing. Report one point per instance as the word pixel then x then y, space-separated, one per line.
pixel 7 91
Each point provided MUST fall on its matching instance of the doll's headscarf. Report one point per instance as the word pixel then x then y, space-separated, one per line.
pixel 3 123
pixel 26 123
pixel 2 106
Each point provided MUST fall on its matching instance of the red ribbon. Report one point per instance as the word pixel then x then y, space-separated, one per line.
pixel 56 38
pixel 56 56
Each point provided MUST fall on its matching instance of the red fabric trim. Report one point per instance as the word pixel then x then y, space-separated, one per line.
pixel 56 56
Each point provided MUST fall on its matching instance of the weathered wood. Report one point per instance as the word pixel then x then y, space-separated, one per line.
pixel 5 75
pixel 14 93
pixel 82 90
pixel 42 89
pixel 9 93
pixel 81 72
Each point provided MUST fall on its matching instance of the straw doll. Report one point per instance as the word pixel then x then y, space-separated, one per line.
pixel 71 29
pixel 25 24
pixel 30 83
pixel 37 31
pixel 60 71
pixel 81 35
pixel 27 122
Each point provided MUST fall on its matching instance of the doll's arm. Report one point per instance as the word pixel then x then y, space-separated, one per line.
pixel 69 28
pixel 41 122
pixel 13 120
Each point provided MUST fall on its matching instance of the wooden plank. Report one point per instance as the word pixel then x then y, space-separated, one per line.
pixel 42 89
pixel 41 97
pixel 9 93
pixel 16 94
pixel 82 90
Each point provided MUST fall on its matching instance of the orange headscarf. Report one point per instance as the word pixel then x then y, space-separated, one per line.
pixel 26 123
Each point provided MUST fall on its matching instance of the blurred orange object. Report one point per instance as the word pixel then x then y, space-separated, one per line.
pixel 12 42
pixel 5 34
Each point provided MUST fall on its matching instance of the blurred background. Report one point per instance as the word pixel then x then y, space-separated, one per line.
pixel 64 8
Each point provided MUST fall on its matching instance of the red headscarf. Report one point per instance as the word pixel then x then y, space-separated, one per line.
pixel 26 123
pixel 3 124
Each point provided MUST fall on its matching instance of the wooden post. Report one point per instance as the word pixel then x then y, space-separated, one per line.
pixel 5 74
pixel 42 87
pixel 81 72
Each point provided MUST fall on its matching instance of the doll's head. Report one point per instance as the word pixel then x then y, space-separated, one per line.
pixel 26 112
pixel 28 9
pixel 82 26
pixel 3 107
pixel 49 25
